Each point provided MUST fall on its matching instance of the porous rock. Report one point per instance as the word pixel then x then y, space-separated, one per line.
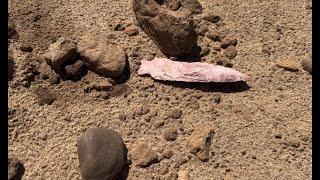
pixel 101 154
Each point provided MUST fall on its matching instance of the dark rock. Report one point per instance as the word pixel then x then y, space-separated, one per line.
pixel 119 27
pixel 11 68
pixel 102 58
pixel 173 31
pixel 101 153
pixel 213 35
pixel 44 96
pixel 75 71
pixel 26 48
pixel 15 169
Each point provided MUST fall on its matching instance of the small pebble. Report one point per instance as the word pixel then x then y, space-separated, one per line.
pixel 175 113
pixel 230 52
pixel 131 31
pixel 54 78
pixel 43 137
pixel 164 170
pixel 167 153
pixel 26 48
pixel 228 40
pixel 170 134
pixel 212 18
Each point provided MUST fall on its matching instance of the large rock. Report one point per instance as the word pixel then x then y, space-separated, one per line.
pixel 101 154
pixel 60 54
pixel 173 31
pixel 102 58
pixel 199 142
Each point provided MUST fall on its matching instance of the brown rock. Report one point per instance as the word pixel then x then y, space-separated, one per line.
pixel 192 5
pixel 211 18
pixel 175 113
pixel 202 29
pixel 54 78
pixel 102 58
pixel 99 86
pixel 101 154
pixel 119 27
pixel 170 134
pixel 60 53
pixel 199 142
pixel 173 32
pixel 75 71
pixel 306 64
pixel 131 31
pixel 230 52
pixel 144 156
pixel 228 40
pixel 289 64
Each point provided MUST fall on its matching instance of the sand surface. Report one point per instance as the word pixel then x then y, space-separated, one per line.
pixel 262 131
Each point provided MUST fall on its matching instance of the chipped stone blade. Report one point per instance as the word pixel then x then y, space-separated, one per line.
pixel 168 70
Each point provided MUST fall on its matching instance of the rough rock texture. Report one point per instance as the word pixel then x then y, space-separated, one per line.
pixel 306 64
pixel 143 155
pixel 165 69
pixel 102 58
pixel 170 134
pixel 60 53
pixel 289 64
pixel 173 31
pixel 101 154
pixel 199 142
pixel 15 168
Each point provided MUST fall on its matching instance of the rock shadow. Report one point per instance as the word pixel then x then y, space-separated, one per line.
pixel 11 68
pixel 125 76
pixel 224 87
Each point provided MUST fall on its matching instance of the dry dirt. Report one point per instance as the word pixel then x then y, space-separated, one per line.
pixel 260 132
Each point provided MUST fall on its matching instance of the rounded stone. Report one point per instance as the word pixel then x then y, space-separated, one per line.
pixel 101 154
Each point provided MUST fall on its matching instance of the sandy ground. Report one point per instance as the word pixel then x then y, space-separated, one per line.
pixel 261 132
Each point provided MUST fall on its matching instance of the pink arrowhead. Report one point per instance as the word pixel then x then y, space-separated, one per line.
pixel 168 70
